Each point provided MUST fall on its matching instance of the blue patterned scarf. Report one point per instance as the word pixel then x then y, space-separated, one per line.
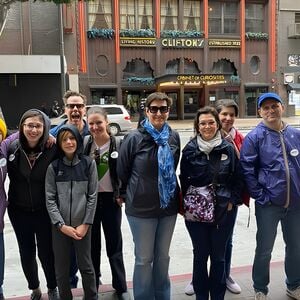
pixel 166 172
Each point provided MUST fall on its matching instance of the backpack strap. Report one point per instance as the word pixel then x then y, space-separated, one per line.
pixel 87 144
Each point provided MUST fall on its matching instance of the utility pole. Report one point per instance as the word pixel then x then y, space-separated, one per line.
pixel 61 49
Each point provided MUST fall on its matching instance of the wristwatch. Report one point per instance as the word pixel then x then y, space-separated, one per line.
pixel 59 225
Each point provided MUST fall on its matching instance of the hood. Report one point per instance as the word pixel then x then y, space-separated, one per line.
pixel 31 113
pixel 73 129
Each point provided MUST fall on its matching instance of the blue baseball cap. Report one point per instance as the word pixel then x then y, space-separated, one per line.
pixel 268 96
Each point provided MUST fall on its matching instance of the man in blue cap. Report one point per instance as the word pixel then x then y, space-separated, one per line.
pixel 270 161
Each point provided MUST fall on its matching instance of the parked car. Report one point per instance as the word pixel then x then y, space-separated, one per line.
pixel 118 117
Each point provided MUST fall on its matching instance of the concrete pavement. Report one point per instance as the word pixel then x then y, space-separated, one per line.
pixel 180 252
pixel 239 123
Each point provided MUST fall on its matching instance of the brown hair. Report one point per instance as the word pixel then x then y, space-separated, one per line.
pixel 97 110
pixel 100 111
pixel 227 103
pixel 30 114
pixel 206 110
pixel 62 135
pixel 70 93
pixel 158 96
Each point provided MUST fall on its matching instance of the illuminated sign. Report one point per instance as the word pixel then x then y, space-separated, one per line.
pixel 207 78
pixel 214 43
pixel 182 43
pixel 137 42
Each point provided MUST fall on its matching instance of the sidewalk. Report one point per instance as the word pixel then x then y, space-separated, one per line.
pixel 245 124
pixel 241 274
pixel 15 286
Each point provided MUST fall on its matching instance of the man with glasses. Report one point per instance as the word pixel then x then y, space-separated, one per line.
pixel 75 110
pixel 270 161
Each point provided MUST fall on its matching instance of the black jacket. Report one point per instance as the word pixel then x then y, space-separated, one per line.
pixel 198 169
pixel 138 171
pixel 27 184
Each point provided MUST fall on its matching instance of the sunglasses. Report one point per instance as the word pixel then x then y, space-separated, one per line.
pixel 72 105
pixel 155 109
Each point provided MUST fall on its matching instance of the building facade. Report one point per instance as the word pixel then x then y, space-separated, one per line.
pixel 34 70
pixel 288 71
pixel 195 51
pixel 119 51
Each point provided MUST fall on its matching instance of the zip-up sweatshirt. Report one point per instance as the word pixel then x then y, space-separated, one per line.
pixel 71 187
pixel 27 182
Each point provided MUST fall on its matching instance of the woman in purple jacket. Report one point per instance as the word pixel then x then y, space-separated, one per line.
pixel 3 200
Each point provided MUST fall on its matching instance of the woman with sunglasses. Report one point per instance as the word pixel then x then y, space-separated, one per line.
pixel 146 167
pixel 28 160
pixel 104 148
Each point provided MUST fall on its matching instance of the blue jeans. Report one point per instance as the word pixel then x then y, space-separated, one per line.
pixel 152 238
pixel 267 219
pixel 209 241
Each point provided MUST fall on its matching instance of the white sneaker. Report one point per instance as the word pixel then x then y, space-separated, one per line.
pixel 232 286
pixel 295 294
pixel 189 289
pixel 260 296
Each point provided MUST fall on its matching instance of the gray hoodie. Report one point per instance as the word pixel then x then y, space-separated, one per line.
pixel 71 186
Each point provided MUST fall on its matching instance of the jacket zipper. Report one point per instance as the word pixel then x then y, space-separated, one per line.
pixel 71 200
pixel 287 172
pixel 28 179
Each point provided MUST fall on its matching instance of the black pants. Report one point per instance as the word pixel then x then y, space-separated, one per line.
pixel 33 230
pixel 109 213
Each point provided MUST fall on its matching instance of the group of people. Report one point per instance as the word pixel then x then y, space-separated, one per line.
pixel 219 162
pixel 61 181
pixel 66 184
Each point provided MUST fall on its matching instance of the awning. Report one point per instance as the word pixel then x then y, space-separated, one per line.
pixel 293 86
pixel 103 87
pixel 33 64
pixel 255 84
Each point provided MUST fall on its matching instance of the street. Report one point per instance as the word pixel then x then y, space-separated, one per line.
pixel 180 252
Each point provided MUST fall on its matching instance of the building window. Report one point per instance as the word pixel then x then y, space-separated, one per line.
pixel 169 14
pixel 254 17
pixel 138 68
pixel 100 14
pixel 145 14
pixel 136 14
pixel 191 18
pixel 222 17
pixel 172 66
pixel 255 65
pixel 224 66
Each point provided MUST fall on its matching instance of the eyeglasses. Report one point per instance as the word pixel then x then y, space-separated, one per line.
pixel 155 109
pixel 209 124
pixel 72 105
pixel 31 126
